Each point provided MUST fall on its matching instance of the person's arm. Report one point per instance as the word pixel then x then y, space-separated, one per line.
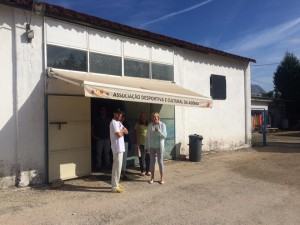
pixel 147 144
pixel 122 132
pixel 124 129
pixel 163 131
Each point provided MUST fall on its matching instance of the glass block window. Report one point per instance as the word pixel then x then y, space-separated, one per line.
pixel 133 68
pixel 162 72
pixel 66 58
pixel 105 64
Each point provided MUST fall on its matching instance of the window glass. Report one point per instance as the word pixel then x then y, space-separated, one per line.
pixel 218 87
pixel 162 72
pixel 66 58
pixel 134 68
pixel 106 64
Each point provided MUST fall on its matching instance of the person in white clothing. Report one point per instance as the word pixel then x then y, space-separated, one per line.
pixel 117 132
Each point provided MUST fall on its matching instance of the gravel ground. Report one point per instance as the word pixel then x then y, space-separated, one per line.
pixel 253 186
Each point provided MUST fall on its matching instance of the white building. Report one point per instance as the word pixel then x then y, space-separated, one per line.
pixel 58 66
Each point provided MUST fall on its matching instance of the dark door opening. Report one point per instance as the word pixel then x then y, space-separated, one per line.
pixel 96 105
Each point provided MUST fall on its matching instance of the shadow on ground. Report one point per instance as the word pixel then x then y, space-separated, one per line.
pixel 288 134
pixel 280 147
pixel 96 182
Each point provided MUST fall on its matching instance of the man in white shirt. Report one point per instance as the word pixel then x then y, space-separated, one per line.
pixel 117 131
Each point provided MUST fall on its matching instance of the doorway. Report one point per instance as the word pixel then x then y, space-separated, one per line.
pixel 96 105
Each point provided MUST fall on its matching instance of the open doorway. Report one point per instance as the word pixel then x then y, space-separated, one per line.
pixel 96 105
pixel 132 111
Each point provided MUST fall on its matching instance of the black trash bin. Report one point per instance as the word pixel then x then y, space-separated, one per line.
pixel 195 147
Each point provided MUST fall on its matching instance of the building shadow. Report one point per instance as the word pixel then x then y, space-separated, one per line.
pixel 289 134
pixel 95 182
pixel 279 147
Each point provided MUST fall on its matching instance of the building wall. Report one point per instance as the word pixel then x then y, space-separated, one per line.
pixel 7 91
pixel 224 126
pixel 22 130
pixel 259 105
pixel 23 144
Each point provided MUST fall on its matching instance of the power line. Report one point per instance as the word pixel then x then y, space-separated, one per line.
pixel 266 64
pixel 262 82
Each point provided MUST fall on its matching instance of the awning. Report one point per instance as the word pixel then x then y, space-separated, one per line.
pixel 132 89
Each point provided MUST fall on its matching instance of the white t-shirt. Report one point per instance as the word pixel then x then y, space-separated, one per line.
pixel 117 143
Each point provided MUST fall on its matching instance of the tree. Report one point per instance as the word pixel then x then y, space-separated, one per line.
pixel 287 82
pixel 287 77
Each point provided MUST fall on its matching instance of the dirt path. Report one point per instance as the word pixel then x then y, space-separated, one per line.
pixel 254 186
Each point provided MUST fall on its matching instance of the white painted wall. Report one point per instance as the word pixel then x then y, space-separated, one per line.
pixel 22 131
pixel 105 43
pixel 7 91
pixel 63 33
pixel 259 105
pixel 223 127
pixel 162 54
pixel 136 49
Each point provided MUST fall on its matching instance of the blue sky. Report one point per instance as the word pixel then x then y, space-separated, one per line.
pixel 260 29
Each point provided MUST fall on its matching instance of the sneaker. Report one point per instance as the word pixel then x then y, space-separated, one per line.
pixel 120 186
pixel 117 190
pixel 143 174
pixel 148 174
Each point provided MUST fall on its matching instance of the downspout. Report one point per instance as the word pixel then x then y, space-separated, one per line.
pixel 44 66
pixel 17 166
pixel 247 95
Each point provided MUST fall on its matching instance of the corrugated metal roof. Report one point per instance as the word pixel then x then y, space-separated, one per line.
pixel 257 90
pixel 59 12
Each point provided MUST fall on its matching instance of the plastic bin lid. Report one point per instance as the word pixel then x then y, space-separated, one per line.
pixel 195 136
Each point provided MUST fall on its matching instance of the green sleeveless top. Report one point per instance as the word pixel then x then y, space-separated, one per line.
pixel 141 131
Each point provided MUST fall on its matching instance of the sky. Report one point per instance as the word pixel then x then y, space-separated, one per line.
pixel 263 30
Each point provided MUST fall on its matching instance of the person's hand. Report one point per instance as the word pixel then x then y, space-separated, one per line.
pixel 125 131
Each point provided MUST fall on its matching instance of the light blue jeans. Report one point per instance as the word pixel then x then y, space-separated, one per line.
pixel 160 159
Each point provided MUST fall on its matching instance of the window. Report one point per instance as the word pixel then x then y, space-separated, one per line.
pixel 106 64
pixel 218 87
pixel 162 72
pixel 133 68
pixel 74 59
pixel 66 58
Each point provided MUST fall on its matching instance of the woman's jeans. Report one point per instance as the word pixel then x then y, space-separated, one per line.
pixel 144 159
pixel 160 159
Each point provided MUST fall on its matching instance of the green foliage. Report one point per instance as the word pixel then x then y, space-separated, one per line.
pixel 287 86
pixel 269 94
pixel 287 77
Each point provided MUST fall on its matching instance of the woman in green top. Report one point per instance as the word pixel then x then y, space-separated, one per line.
pixel 140 133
